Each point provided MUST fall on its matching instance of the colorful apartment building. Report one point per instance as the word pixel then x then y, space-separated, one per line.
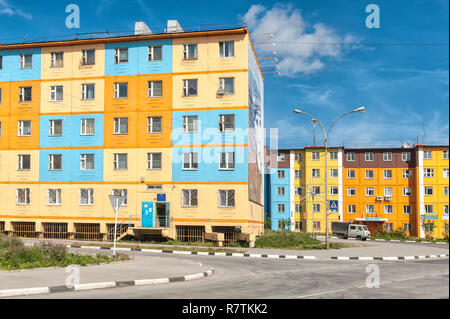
pixel 389 188
pixel 171 121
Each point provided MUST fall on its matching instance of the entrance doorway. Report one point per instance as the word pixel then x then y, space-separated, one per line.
pixel 162 218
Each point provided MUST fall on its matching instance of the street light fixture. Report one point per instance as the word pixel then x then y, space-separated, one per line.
pixel 325 137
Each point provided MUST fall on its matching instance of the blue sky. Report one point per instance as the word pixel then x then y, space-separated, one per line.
pixel 404 87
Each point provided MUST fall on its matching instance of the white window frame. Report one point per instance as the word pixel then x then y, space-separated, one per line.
pixel 386 211
pixel 151 161
pixel 84 57
pixel 385 174
pixel 370 192
pixel 407 191
pixel 387 156
pixel 281 191
pixel 84 91
pixel 223 52
pixel 370 211
pixel 427 155
pixel 84 126
pixel 351 191
pixel 23 61
pixel 368 171
pixel 187 53
pixel 427 189
pixel 186 120
pixel 350 157
pixel 90 197
pixel 191 193
pixel 151 53
pixel 151 89
pixel 334 172
pixel 117 86
pixel 334 190
pixel 121 193
pixel 315 156
pixel 316 209
pixel 407 210
pixel 407 174
pixel 117 56
pixel 429 209
pixel 281 174
pixel 186 86
pixel 351 209
pixel 51 162
pixel 223 86
pixel 388 192
pixel 52 126
pixel 57 197
pixel 369 156
pixel 428 172
pixel 53 59
pixel 84 161
pixel 445 155
pixel 22 94
pixel 27 196
pixel 21 128
pixel 315 173
pixel 151 125
pixel 20 162
pixel 228 193
pixel 334 156
pixel 446 172
pixel 56 93
pixel 223 123
pixel 191 163
pixel 351 176
pixel 117 159
pixel 406 156
pixel 117 125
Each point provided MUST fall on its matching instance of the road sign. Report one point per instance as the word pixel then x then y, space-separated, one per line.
pixel 116 201
pixel 334 206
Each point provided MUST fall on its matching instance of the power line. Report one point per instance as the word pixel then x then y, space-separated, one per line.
pixel 363 43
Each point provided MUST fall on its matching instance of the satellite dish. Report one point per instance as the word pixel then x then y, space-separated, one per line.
pixel 406 145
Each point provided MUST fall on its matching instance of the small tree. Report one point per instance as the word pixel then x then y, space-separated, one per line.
pixel 429 229
pixel 268 223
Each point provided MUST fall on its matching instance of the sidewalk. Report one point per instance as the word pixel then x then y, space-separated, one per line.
pixel 143 268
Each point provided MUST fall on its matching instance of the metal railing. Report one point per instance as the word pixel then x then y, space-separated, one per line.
pixel 122 228
pixel 162 222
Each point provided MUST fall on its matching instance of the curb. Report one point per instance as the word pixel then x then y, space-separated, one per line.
pixel 396 241
pixel 102 285
pixel 175 252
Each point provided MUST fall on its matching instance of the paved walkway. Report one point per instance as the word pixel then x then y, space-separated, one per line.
pixel 144 267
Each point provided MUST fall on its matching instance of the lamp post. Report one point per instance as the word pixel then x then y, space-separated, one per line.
pixel 325 137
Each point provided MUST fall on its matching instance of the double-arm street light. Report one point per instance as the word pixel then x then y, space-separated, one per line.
pixel 325 137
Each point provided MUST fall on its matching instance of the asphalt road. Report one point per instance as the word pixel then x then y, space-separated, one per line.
pixel 242 278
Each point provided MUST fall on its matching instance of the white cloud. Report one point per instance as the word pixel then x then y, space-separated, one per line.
pixel 289 26
pixel 8 10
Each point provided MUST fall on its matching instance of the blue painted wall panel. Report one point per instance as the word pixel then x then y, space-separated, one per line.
pixel 71 134
pixel 208 167
pixel 71 170
pixel 138 62
pixel 275 183
pixel 11 70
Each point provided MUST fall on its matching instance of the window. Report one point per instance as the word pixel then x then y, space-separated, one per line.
pixel 190 124
pixel 1 62
pixel 24 163
pixel 1 94
pixel 298 174
pixel 86 197
pixel 281 208
pixel 88 57
pixel 56 59
pixel 316 190
pixel 154 187
pixel 226 49
pixel 388 209
pixel 226 198
pixel 316 226
pixel 445 190
pixel 389 227
pixel 407 228
pixel 226 161
pixel 427 155
pixel 121 193
pixel 190 87
pixel 121 125
pixel 370 191
pixel 281 191
pixel 369 174
pixel 406 156
pixel 316 208
pixel 24 128
pixel 23 196
pixel 351 157
pixel 334 190
pixel 407 191
pixel 351 174
pixel 155 53
pixel 26 61
pixel 86 162
pixel 387 174
pixel 190 161
pixel 444 153
pixel 281 157
pixel 407 210
pixel 446 210
pixel 299 226
pixel 407 174
pixel 370 209
pixel 55 127
pixel 388 192
pixel 120 162
pixel 298 191
pixel 121 90
pixel 53 197
pixel 315 156
pixel 429 209
pixel 190 51
pixel 298 157
pixel 315 173
pixel 446 172
pixel 87 127
pixel 155 89
pixel 154 160
pixel 189 198
pixel 334 156
pixel 298 208
pixel 351 191
pixel 369 157
pixel 56 93
pixel 226 123
pixel 428 172
pixel 121 55
pixel 387 157
pixel 54 162
pixel 87 92
pixel 154 125
pixel 281 174
pixel 428 191
pixel 226 86
pixel 351 209
pixel 25 94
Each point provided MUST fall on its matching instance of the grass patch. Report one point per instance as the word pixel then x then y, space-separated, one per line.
pixel 290 240
pixel 14 256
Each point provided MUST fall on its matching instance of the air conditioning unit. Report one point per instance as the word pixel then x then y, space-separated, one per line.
pixel 388 198
pixel 221 92
pixel 379 198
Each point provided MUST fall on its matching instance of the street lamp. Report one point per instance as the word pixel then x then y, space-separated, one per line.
pixel 325 137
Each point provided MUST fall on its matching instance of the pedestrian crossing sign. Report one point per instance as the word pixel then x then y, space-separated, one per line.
pixel 334 206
